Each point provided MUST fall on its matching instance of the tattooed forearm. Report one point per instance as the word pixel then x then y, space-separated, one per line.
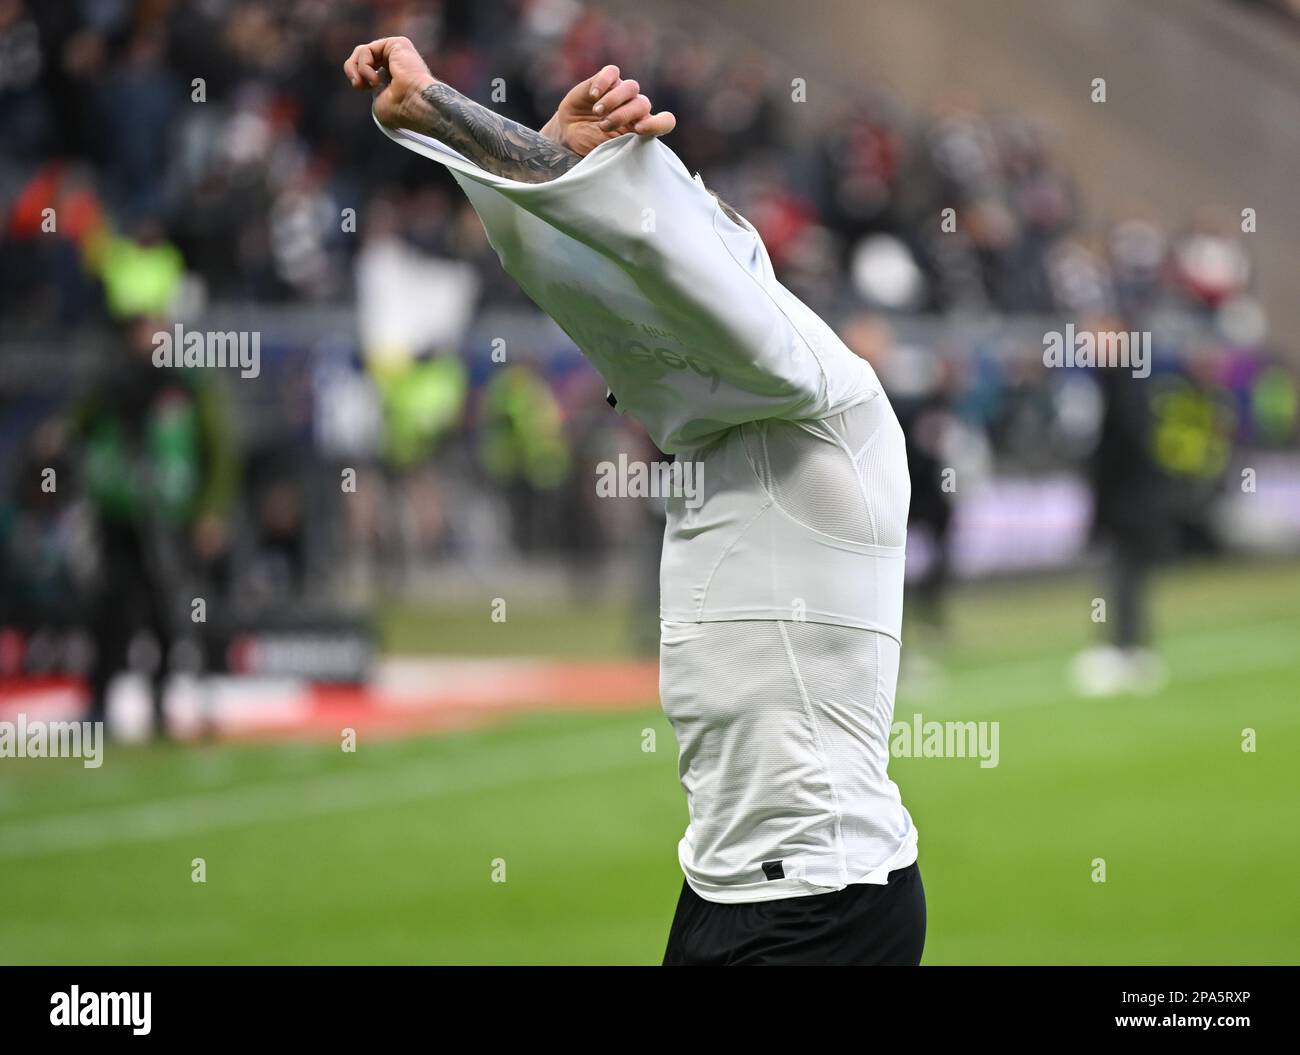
pixel 495 143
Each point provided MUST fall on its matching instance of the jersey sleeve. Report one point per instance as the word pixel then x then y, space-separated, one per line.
pixel 675 303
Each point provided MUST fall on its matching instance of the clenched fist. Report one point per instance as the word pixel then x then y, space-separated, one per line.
pixel 394 67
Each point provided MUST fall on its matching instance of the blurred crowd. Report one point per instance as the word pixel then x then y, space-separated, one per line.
pixel 219 135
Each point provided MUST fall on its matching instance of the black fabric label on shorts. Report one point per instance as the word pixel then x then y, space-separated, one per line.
pixel 774 870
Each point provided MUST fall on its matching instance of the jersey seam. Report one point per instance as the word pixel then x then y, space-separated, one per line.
pixel 841 852
pixel 862 486
pixel 775 503
pixel 726 552
pixel 857 477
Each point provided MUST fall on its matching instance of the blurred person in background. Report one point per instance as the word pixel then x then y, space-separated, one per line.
pixel 1193 427
pixel 522 446
pixel 160 472
pixel 1132 520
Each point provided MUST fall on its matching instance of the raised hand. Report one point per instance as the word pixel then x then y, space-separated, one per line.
pixel 394 71
pixel 604 107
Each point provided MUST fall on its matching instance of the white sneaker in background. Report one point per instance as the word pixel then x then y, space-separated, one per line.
pixel 1109 671
pixel 1099 671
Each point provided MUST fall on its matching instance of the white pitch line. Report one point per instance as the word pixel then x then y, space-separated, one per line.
pixel 315 797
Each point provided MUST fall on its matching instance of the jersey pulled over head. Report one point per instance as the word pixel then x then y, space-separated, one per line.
pixel 674 302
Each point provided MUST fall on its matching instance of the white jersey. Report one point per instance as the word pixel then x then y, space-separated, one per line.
pixel 796 550
pixel 784 716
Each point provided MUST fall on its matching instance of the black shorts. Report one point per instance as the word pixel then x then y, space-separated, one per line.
pixel 863 924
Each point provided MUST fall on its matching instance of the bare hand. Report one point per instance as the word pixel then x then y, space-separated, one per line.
pixel 604 107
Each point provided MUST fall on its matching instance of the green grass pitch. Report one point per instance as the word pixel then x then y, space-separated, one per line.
pixel 387 855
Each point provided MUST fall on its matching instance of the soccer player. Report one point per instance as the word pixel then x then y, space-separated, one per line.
pixel 781 590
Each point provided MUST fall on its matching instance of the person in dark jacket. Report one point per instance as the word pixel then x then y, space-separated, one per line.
pixel 160 473
pixel 1132 521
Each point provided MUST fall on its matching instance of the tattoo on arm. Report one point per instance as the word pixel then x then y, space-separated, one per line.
pixel 495 143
